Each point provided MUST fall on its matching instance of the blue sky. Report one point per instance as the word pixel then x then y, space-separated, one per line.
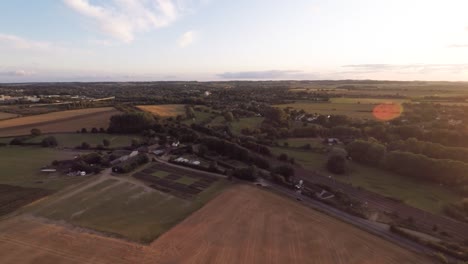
pixel 144 40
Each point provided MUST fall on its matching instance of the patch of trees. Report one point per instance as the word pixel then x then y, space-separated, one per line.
pixel 248 174
pixel 234 151
pixel 284 170
pixel 312 130
pixel 371 153
pixel 48 142
pixel 258 148
pixel 433 150
pixel 35 132
pixel 131 164
pixel 131 122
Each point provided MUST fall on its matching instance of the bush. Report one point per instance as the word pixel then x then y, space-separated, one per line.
pixel 336 164
pixel 35 132
pixel 131 164
pixel 17 141
pixel 248 174
pixel 94 130
pixel 85 145
pixel 106 142
pixel 49 142
pixel 285 170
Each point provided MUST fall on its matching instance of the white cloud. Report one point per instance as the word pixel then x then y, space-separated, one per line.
pixel 16 73
pixel 22 43
pixel 122 19
pixel 187 38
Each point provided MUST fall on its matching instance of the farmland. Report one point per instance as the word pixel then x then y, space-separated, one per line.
pixel 352 110
pixel 6 115
pixel 122 207
pixel 20 167
pixel 232 228
pixel 169 110
pixel 247 225
pixel 64 121
pixel 71 140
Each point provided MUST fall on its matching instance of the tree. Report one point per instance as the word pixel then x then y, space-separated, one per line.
pixel 189 112
pixel 285 170
pixel 84 130
pixel 228 116
pixel 49 142
pixel 85 145
pixel 35 132
pixel 94 130
pixel 336 164
pixel 106 142
pixel 283 157
pixel 131 122
pixel 135 142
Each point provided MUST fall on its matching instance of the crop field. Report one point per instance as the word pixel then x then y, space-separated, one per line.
pixel 344 100
pixel 56 122
pixel 14 197
pixel 185 185
pixel 71 140
pixel 248 225
pixel 352 110
pixel 242 225
pixel 6 115
pixel 164 110
pixel 122 207
pixel 20 166
pixel 422 195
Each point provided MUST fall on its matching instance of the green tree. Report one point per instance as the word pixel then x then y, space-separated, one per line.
pixel 35 132
pixel 106 142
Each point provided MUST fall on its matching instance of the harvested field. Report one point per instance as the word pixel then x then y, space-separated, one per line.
pixel 163 110
pixel 248 225
pixel 352 110
pixel 242 225
pixel 64 121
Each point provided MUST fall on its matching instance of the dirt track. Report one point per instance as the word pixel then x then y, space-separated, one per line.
pixel 242 225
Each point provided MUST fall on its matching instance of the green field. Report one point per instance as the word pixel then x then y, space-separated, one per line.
pixel 352 110
pixel 423 195
pixel 71 140
pixel 122 208
pixel 248 122
pixel 21 166
pixel 300 142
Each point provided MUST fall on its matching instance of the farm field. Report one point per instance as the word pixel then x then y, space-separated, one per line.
pixel 232 228
pixel 121 206
pixel 248 122
pixel 71 140
pixel 20 167
pixel 248 225
pixel 422 195
pixel 168 110
pixel 64 121
pixel 350 100
pixel 6 115
pixel 351 110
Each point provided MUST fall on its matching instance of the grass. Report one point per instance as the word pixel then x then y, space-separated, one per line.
pixel 124 209
pixel 169 110
pixel 160 174
pixel 71 140
pixel 351 110
pixel 200 116
pixel 300 142
pixel 21 166
pixel 426 196
pixel 344 100
pixel 248 122
pixel 186 180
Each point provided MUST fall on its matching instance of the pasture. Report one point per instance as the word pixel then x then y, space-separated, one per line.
pixel 56 122
pixel 20 166
pixel 168 110
pixel 122 206
pixel 352 110
pixel 423 195
pixel 247 122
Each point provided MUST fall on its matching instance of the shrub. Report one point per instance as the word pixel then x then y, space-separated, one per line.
pixel 49 142
pixel 35 132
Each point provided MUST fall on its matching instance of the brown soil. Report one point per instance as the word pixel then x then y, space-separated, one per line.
pixel 242 225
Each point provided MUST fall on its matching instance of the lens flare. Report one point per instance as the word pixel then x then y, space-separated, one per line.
pixel 387 111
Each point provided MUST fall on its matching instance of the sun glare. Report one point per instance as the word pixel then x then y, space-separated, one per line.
pixel 387 111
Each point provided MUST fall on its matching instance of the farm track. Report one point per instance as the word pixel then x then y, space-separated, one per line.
pixel 422 219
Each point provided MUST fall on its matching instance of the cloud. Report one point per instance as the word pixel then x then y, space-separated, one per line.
pixel 187 38
pixel 17 73
pixel 122 19
pixel 22 43
pixel 273 74
pixel 405 68
pixel 458 46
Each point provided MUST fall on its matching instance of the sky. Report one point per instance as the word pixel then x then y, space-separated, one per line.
pixel 151 40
